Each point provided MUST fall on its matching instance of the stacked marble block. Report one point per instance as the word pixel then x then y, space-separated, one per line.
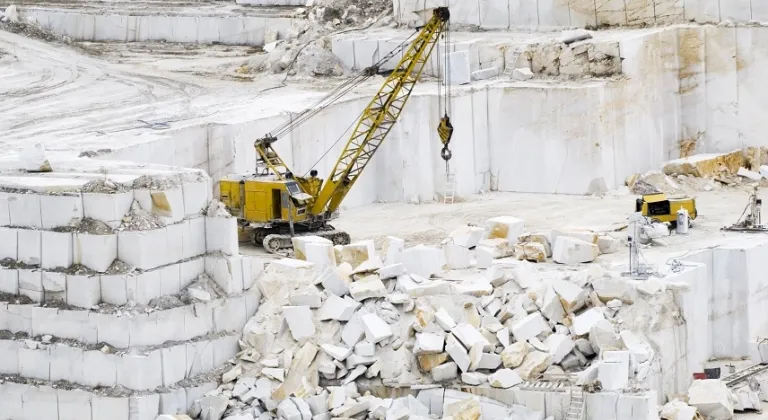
pixel 160 359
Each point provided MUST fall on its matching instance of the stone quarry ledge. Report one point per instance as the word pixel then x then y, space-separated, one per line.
pixel 479 58
pixel 153 329
pixel 220 10
pixel 706 165
pixel 139 369
pixel 171 26
pixel 28 398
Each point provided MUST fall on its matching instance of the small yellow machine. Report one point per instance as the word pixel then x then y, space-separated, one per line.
pixel 662 208
pixel 278 205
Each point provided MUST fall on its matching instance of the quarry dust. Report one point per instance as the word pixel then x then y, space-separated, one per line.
pixel 103 186
pixel 86 225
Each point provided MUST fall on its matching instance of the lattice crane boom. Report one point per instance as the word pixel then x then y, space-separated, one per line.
pixel 380 115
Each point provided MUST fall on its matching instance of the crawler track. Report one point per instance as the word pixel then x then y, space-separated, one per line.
pixel 744 375
pixel 274 243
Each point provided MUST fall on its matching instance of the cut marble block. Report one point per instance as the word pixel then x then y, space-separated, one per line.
pixel 30 246
pixel 83 291
pixel 107 208
pixel 458 72
pixel 56 249
pixel 221 235
pixel 145 249
pixel 227 272
pixel 9 280
pixel 193 237
pixel 168 204
pixel 321 254
pixel 423 260
pixel 195 196
pixel 96 252
pixel 9 243
pixel 60 210
pixel 300 245
pixel 25 210
pixel 504 227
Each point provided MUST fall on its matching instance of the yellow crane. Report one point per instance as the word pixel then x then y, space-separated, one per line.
pixel 279 205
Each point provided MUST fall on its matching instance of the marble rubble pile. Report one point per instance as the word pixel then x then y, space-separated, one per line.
pixel 703 172
pixel 343 319
pixel 123 281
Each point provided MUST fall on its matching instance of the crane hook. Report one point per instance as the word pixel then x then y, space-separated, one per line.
pixel 445 131
pixel 445 153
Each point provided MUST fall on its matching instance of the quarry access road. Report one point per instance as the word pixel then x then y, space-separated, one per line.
pixel 52 90
pixel 57 94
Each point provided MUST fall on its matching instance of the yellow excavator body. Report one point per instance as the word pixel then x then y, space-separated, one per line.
pixel 261 200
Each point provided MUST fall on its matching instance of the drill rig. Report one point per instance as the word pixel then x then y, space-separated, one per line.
pixel 278 205
pixel 751 219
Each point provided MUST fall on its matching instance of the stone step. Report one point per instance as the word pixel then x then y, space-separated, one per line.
pixel 140 369
pixel 26 399
pixel 123 330
pixel 86 289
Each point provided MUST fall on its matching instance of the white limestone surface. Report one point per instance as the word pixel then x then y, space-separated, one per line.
pixel 547 14
pixel 116 27
pixel 554 137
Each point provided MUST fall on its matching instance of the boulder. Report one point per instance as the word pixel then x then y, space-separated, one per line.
pixel 531 251
pixel 467 236
pixel 677 410
pixel 582 323
pixel 468 409
pixel 614 287
pixel 608 244
pixel 539 238
pixel 368 287
pixel 33 157
pixel 534 364
pixel 497 248
pixel 423 260
pixel 574 251
pixel 358 252
pixel 513 355
pixel 504 378
pixel 711 398
pixel 300 245
pixel 504 227
pixel 602 337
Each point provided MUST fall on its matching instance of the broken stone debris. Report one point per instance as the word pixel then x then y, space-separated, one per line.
pixel 706 165
pixel 499 328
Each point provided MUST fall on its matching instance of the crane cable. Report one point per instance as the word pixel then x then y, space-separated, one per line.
pixel 445 128
pixel 336 93
pixel 396 51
